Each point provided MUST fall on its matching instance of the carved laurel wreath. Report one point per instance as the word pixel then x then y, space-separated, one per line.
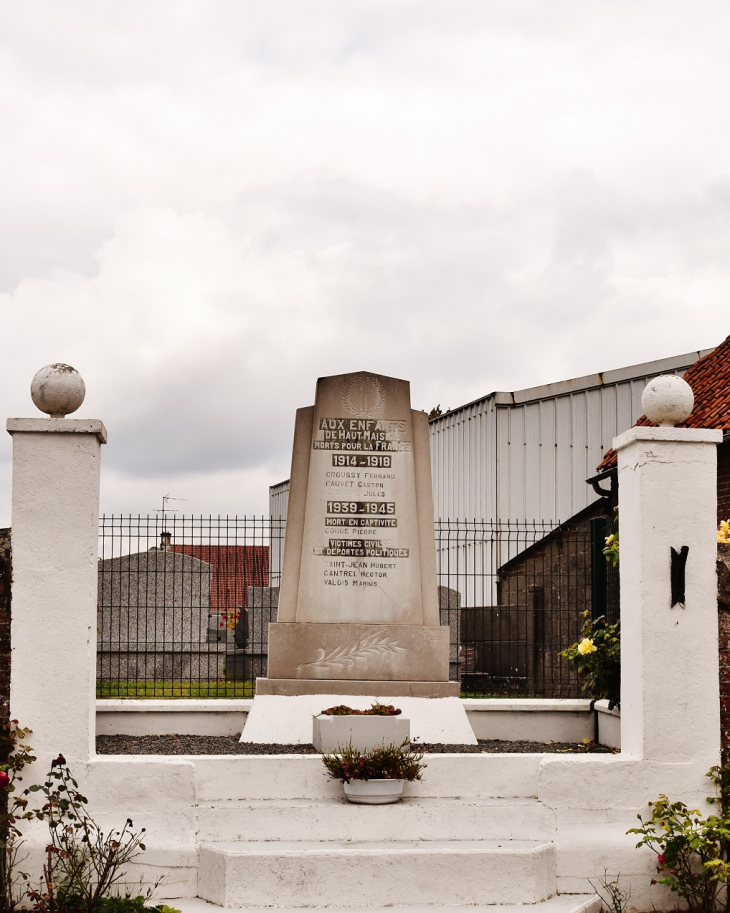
pixel 371 398
pixel 377 644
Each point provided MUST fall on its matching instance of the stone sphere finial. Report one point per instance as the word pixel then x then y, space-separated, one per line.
pixel 667 400
pixel 58 390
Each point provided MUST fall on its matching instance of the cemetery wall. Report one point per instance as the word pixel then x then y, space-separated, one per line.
pixel 723 620
pixel 5 587
pixel 723 617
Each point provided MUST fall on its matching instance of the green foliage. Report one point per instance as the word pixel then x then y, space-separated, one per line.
pixel 692 851
pixel 122 904
pixel 436 411
pixel 376 709
pixel 129 904
pixel 597 657
pixel 389 762
pixel 83 864
pixel 611 551
pixel 13 808
pixel 161 690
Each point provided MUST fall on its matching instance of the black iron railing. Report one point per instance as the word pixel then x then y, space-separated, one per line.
pixel 185 603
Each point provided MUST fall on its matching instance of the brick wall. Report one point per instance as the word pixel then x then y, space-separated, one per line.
pixel 723 617
pixel 5 579
pixel 723 482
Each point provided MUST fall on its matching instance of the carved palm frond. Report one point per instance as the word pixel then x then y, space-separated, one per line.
pixel 379 643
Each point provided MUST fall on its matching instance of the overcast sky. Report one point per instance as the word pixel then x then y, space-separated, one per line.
pixel 205 205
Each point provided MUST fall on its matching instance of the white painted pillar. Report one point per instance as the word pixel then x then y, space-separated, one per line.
pixel 670 708
pixel 55 519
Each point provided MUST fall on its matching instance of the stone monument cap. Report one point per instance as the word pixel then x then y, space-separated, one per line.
pixel 667 400
pixel 58 390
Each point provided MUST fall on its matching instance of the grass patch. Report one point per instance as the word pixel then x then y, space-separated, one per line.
pixel 164 690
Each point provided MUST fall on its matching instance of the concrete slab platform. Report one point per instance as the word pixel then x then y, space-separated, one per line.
pixel 559 903
pixel 276 719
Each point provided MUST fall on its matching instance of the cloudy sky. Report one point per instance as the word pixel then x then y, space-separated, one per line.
pixel 207 204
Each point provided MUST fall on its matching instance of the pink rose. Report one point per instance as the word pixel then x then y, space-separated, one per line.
pixel 4 780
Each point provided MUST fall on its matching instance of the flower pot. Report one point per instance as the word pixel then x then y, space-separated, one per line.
pixel 364 733
pixel 374 792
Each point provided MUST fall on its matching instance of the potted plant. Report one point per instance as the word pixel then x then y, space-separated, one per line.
pixel 374 777
pixel 363 729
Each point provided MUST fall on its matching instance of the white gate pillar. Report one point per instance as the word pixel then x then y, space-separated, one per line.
pixel 55 520
pixel 670 707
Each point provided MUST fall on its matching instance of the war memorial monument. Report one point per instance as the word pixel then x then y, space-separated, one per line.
pixel 358 608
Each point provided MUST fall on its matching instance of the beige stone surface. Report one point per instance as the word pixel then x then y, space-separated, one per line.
pixel 291 687
pixel 357 528
pixel 292 562
pixel 358 596
pixel 355 652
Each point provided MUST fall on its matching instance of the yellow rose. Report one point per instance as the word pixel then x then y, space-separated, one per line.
pixel 586 646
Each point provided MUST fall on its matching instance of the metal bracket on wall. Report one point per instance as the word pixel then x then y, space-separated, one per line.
pixel 679 563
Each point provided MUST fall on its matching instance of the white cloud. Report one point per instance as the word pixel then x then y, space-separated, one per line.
pixel 206 206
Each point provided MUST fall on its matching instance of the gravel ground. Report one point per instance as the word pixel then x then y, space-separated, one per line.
pixel 215 744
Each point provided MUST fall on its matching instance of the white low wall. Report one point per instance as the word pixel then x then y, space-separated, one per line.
pixel 171 717
pixel 537 720
pixel 533 720
pixel 609 725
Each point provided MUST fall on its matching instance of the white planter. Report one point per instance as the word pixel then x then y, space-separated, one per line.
pixel 374 792
pixel 609 725
pixel 365 732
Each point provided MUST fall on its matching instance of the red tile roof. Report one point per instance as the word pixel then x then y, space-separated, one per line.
pixel 710 381
pixel 235 569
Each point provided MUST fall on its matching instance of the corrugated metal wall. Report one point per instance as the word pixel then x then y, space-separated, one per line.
pixel 278 506
pixel 526 455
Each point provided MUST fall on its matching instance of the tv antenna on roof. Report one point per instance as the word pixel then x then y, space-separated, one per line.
pixel 165 510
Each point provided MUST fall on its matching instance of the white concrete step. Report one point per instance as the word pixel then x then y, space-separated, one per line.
pixel 410 819
pixel 558 903
pixel 478 775
pixel 376 874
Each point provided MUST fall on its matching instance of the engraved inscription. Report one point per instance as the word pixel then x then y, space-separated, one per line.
pixel 383 461
pixel 360 507
pixel 365 434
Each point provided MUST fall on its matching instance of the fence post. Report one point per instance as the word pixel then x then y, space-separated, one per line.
pixel 55 519
pixel 669 663
pixel 599 601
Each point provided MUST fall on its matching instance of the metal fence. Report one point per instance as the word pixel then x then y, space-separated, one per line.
pixel 514 594
pixel 185 603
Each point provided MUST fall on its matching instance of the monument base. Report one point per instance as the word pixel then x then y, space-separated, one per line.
pixel 358 652
pixel 286 720
pixel 290 687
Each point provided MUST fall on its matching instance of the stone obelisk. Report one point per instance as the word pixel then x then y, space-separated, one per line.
pixel 358 607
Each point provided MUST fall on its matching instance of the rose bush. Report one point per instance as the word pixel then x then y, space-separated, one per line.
pixel 597 657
